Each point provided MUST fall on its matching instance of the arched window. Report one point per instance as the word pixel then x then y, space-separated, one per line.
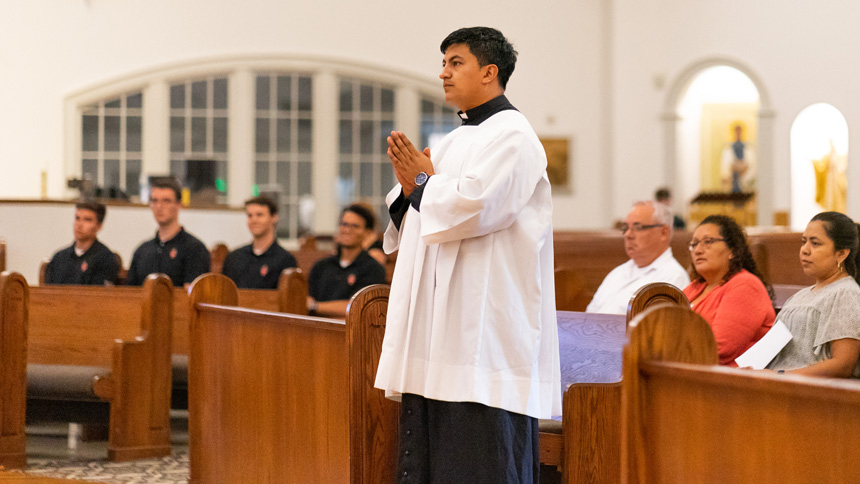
pixel 111 144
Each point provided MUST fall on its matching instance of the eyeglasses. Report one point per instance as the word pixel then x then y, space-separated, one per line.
pixel 706 243
pixel 347 225
pixel 637 227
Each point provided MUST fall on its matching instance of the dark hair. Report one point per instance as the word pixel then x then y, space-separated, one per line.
pixel 169 183
pixel 95 207
pixel 265 201
pixel 843 232
pixel 362 212
pixel 489 46
pixel 734 237
pixel 662 194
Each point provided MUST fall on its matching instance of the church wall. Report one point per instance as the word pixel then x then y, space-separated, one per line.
pixel 802 52
pixel 53 49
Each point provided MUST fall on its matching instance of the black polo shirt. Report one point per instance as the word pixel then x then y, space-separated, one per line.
pixel 329 281
pixel 251 271
pixel 94 267
pixel 182 258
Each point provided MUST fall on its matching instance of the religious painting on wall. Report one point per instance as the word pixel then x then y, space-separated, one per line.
pixel 558 163
pixel 729 132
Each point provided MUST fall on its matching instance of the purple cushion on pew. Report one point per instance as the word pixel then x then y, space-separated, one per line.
pixel 63 382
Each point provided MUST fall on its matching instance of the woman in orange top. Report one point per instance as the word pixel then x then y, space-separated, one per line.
pixel 727 289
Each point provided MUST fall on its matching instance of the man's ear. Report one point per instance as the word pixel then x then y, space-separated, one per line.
pixel 491 73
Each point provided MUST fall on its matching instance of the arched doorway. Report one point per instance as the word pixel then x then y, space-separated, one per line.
pixel 705 107
pixel 819 154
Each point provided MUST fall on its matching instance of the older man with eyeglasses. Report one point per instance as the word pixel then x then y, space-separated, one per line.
pixel 647 233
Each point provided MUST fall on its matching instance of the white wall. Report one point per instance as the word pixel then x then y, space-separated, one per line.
pixel 54 48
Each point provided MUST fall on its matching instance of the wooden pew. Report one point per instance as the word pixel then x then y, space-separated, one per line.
pixel 14 295
pixel 588 446
pixel 570 291
pixel 687 420
pixel 122 336
pixel 2 254
pixel 286 398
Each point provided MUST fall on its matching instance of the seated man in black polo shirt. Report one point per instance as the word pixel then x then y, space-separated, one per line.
pixel 258 265
pixel 87 261
pixel 335 279
pixel 173 251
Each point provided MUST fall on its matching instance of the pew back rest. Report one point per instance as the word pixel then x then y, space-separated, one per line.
pixel 2 254
pixel 79 325
pixel 653 294
pixel 661 333
pixel 571 293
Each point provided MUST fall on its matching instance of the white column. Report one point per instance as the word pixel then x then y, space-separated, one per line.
pixel 765 175
pixel 156 128
pixel 240 140
pixel 407 109
pixel 325 151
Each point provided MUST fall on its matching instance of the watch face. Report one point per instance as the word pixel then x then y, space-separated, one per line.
pixel 421 178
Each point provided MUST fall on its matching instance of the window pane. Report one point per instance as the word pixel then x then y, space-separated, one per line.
pixel 198 95
pixel 387 101
pixel 111 142
pixel 366 137
pixel 262 92
pixel 220 94
pixel 134 101
pixel 177 134
pixel 345 96
pixel 262 135
pixel 387 177
pixel 115 103
pixel 111 174
pixel 132 177
pixel 282 176
pixel 345 136
pixel 305 95
pixel 133 133
pixel 177 96
pixel 284 93
pixel 284 135
pixel 261 172
pixel 304 179
pixel 90 133
pixel 385 129
pixel 366 186
pixel 366 98
pixel 198 134
pixel 221 176
pixel 427 108
pixel 305 136
pixel 219 137
pixel 177 170
pixel 90 170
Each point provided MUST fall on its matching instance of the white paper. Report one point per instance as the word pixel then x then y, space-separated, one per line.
pixel 760 354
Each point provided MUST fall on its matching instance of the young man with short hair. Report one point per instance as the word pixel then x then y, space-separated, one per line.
pixel 471 344
pixel 87 261
pixel 335 279
pixel 259 264
pixel 173 251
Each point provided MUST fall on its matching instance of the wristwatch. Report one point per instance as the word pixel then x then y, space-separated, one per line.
pixel 421 178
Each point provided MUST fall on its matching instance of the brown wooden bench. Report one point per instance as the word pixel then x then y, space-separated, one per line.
pixel 688 420
pixel 2 254
pixel 587 443
pixel 570 291
pixel 93 349
pixel 14 295
pixel 286 398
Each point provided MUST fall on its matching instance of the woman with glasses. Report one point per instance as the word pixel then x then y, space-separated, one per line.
pixel 823 319
pixel 727 289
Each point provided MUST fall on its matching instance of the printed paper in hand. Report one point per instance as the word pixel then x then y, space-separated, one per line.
pixel 760 354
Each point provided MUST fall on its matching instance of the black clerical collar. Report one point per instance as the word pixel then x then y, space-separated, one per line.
pixel 478 115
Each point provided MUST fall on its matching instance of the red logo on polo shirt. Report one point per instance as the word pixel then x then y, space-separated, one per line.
pixel 350 279
pixel 264 270
pixel 173 253
pixel 84 266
